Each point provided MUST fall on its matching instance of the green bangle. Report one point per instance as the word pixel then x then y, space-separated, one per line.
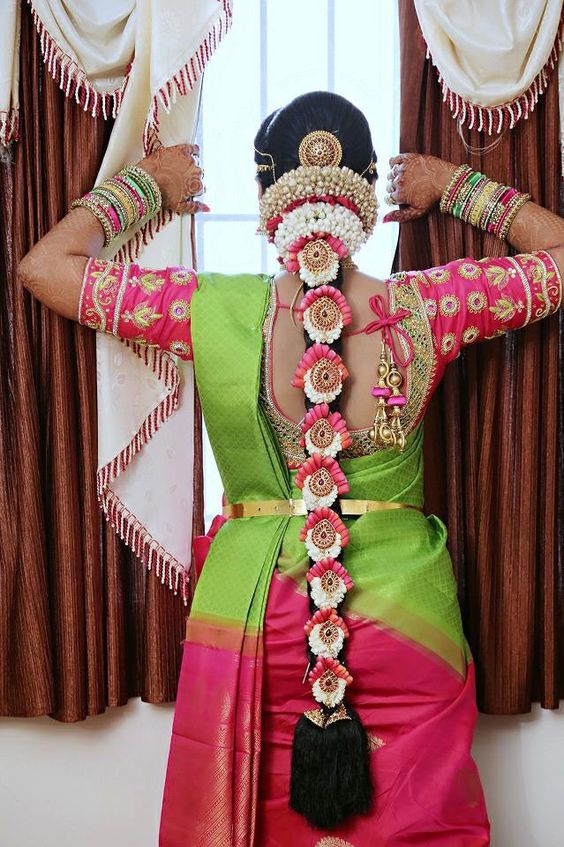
pixel 149 183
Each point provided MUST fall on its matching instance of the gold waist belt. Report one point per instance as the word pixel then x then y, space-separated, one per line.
pixel 253 508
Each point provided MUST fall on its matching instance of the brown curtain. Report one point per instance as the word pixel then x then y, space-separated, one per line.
pixel 81 626
pixel 494 435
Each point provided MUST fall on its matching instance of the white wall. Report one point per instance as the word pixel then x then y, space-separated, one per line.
pixel 99 783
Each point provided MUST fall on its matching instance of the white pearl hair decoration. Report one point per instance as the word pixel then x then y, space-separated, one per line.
pixel 314 181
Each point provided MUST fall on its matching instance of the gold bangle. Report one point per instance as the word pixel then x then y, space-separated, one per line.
pixel 150 181
pixel 130 207
pixel 85 203
pixel 515 206
pixel 481 202
pixel 445 205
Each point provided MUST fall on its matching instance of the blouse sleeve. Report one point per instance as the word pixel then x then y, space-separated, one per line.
pixel 468 301
pixel 138 304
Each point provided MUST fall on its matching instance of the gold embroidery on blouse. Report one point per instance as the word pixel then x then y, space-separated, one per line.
pixel 496 275
pixel 421 372
pixel 470 334
pixel 181 348
pixel 180 277
pixel 448 342
pixel 149 281
pixel 179 310
pixel 505 308
pixel 104 280
pixel 143 316
pixel 468 270
pixel 436 275
pixel 526 288
pixel 119 299
pixel 476 301
pixel 449 305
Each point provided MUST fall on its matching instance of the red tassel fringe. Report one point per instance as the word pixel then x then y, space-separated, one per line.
pixel 9 127
pixel 126 524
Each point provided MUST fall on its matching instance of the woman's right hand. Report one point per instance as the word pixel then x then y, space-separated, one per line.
pixel 179 177
pixel 417 183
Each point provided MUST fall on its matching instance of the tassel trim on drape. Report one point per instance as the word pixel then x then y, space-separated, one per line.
pixel 496 119
pixel 127 525
pixel 131 249
pixel 9 127
pixel 186 77
pixel 72 79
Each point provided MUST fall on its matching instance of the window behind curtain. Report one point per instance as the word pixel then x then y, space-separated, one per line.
pixel 274 52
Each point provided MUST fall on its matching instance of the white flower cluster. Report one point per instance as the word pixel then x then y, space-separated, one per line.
pixel 316 553
pixel 318 277
pixel 316 396
pixel 329 698
pixel 319 645
pixel 314 501
pixel 323 598
pixel 303 221
pixel 332 450
pixel 326 336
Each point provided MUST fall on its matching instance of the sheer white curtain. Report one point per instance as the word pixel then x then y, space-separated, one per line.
pixel 272 55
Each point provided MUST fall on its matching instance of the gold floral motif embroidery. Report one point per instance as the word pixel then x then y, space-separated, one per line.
pixel 439 275
pixel 421 372
pixel 143 316
pixel 468 270
pixel 449 305
pixel 431 308
pixel 476 301
pixel 181 277
pixel 470 334
pixel 179 310
pixel 505 308
pixel 148 281
pixel 448 342
pixel 103 293
pixel 181 348
pixel 497 275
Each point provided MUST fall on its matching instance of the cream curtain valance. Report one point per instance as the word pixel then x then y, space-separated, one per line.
pixel 493 57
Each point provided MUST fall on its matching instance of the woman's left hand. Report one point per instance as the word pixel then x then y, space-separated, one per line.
pixel 179 177
pixel 416 183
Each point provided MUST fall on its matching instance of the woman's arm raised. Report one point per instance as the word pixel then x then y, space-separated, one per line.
pixel 53 270
pixel 418 182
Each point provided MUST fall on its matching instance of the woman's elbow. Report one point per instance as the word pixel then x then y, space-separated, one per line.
pixel 25 272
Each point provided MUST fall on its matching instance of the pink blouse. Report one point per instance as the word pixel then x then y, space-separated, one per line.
pixel 137 304
pixel 445 309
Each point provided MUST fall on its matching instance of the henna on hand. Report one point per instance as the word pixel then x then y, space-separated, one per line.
pixel 179 177
pixel 416 183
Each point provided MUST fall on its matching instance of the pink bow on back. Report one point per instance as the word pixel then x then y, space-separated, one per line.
pixel 388 324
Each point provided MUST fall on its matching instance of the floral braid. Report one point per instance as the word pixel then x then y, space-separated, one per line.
pixel 332 730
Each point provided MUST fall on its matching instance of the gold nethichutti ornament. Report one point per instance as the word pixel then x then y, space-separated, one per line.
pixel 320 148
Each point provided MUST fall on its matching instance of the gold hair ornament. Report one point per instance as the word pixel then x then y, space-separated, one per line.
pixel 320 148
pixel 270 167
pixel 370 167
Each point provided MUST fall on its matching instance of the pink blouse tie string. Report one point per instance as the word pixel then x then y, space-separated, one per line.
pixel 388 324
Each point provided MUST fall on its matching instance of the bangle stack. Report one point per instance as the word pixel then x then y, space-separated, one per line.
pixel 482 202
pixel 122 201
